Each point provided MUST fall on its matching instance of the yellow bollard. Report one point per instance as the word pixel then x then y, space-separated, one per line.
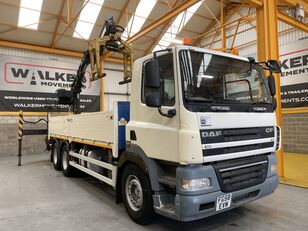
pixel 20 131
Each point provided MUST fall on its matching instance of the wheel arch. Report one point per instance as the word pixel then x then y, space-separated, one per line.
pixel 135 155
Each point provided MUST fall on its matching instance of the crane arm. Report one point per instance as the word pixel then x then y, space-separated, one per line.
pixel 109 40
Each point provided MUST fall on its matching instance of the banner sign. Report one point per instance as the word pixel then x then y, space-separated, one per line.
pixel 294 76
pixel 29 84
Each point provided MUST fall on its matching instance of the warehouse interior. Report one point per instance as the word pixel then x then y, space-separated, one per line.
pixel 42 43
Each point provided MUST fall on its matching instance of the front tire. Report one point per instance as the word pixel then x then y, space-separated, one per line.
pixel 137 194
pixel 55 155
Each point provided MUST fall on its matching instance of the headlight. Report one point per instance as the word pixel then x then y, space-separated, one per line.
pixel 196 184
pixel 274 168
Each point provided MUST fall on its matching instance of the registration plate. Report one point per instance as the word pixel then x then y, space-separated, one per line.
pixel 223 202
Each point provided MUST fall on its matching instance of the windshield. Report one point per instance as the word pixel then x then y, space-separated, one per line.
pixel 218 79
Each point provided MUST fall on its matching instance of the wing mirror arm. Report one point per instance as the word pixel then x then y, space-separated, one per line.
pixel 153 99
pixel 170 113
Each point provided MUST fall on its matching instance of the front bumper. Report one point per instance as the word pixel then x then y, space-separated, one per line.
pixel 192 205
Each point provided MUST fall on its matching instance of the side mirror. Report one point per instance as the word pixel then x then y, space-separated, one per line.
pixel 271 84
pixel 273 65
pixel 153 99
pixel 152 75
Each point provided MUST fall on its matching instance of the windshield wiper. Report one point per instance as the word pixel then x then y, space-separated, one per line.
pixel 255 107
pixel 198 99
pixel 259 103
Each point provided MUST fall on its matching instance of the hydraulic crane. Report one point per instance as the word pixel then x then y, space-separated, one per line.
pixel 108 41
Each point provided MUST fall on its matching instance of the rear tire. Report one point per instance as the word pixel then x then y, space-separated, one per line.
pixel 137 194
pixel 67 169
pixel 55 154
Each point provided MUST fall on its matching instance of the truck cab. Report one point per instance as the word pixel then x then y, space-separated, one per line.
pixel 197 138
pixel 208 123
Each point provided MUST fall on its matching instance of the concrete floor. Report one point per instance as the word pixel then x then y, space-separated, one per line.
pixel 36 197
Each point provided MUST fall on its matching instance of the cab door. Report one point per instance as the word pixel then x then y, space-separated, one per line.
pixel 156 134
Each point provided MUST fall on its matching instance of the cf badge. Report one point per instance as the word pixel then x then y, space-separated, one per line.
pixel 269 130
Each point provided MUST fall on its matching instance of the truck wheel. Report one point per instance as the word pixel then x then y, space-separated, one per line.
pixel 67 169
pixel 55 153
pixel 137 194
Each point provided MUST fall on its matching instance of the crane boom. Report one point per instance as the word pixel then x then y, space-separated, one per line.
pixel 109 40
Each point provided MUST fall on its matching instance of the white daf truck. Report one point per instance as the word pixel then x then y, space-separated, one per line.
pixel 198 136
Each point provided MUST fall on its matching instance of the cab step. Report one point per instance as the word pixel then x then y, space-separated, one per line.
pixel 164 204
pixel 168 180
pixel 168 208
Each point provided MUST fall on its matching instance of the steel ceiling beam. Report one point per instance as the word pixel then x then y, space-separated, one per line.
pixel 209 29
pixel 177 10
pixel 196 14
pixel 57 24
pixel 293 22
pixel 69 11
pixel 211 13
pixel 69 24
pixel 50 50
pixel 292 3
pixel 157 39
pixel 223 26
pixel 123 11
pixel 230 36
pixel 168 3
pixel 153 25
pixel 255 3
pixel 235 33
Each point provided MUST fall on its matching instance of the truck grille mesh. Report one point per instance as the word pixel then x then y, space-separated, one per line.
pixel 241 173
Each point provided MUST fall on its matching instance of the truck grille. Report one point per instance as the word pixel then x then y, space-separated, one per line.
pixel 278 138
pixel 210 138
pixel 241 173
pixel 241 148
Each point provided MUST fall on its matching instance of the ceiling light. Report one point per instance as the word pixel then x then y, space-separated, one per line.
pixel 29 13
pixel 136 22
pixel 87 18
pixel 177 25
